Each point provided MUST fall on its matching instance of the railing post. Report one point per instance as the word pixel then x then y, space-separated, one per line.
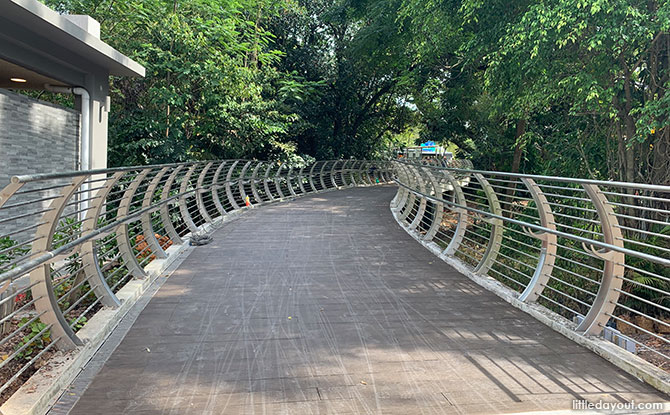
pixel 495 238
pixel 215 189
pixel 301 178
pixel 200 191
pixel 311 177
pixel 343 173
pixel 254 180
pixel 88 252
pixel 229 192
pixel 183 207
pixel 353 171
pixel 545 264
pixel 122 236
pixel 439 208
pixel 46 304
pixel 289 181
pixel 409 201
pixel 323 184
pixel 461 224
pixel 266 178
pixel 147 226
pixel 402 194
pixel 165 209
pixel 332 173
pixel 243 193
pixel 613 270
pixel 277 180
pixel 421 210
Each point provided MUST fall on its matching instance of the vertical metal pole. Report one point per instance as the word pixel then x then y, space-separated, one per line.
pixel 165 208
pixel 301 179
pixel 332 174
pixel 495 238
pixel 406 209
pixel 122 234
pixel 545 262
pixel 277 180
pixel 229 191
pixel 421 210
pixel 439 207
pixel 183 207
pixel 147 225
pixel 243 174
pixel 254 182
pixel 461 224
pixel 46 304
pixel 200 191
pixel 88 252
pixel 266 178
pixel 215 189
pixel 289 181
pixel 323 184
pixel 311 177
pixel 605 301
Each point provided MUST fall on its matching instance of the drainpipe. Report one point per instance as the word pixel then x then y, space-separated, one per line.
pixel 85 144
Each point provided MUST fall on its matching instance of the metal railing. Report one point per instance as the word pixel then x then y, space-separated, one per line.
pixel 69 242
pixel 594 252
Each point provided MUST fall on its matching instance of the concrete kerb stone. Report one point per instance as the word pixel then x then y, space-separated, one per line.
pixel 630 363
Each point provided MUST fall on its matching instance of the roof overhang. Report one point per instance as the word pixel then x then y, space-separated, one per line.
pixel 39 39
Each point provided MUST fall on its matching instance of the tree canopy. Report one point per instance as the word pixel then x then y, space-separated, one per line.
pixel 557 86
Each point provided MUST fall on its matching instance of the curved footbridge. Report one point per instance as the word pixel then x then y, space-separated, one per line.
pixel 325 305
pixel 371 287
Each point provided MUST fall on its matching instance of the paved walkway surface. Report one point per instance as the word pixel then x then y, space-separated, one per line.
pixel 324 305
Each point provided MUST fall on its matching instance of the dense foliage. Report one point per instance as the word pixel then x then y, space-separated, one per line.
pixel 562 87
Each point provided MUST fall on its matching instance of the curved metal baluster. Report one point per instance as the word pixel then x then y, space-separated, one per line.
pixel 301 179
pixel 229 191
pixel 277 180
pixel 421 210
pixel 407 207
pixel 46 303
pixel 215 189
pixel 147 225
pixel 265 182
pixel 289 181
pixel 438 207
pixel 332 174
pixel 545 264
pixel 183 207
pixel 8 191
pixel 613 270
pixel 323 184
pixel 495 238
pixel 88 251
pixel 243 193
pixel 165 208
pixel 254 180
pixel 462 223
pixel 310 178
pixel 122 235
pixel 353 171
pixel 200 191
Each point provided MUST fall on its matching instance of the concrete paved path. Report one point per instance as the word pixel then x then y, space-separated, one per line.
pixel 324 305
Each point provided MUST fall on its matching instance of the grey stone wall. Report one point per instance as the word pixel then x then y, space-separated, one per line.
pixel 35 137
